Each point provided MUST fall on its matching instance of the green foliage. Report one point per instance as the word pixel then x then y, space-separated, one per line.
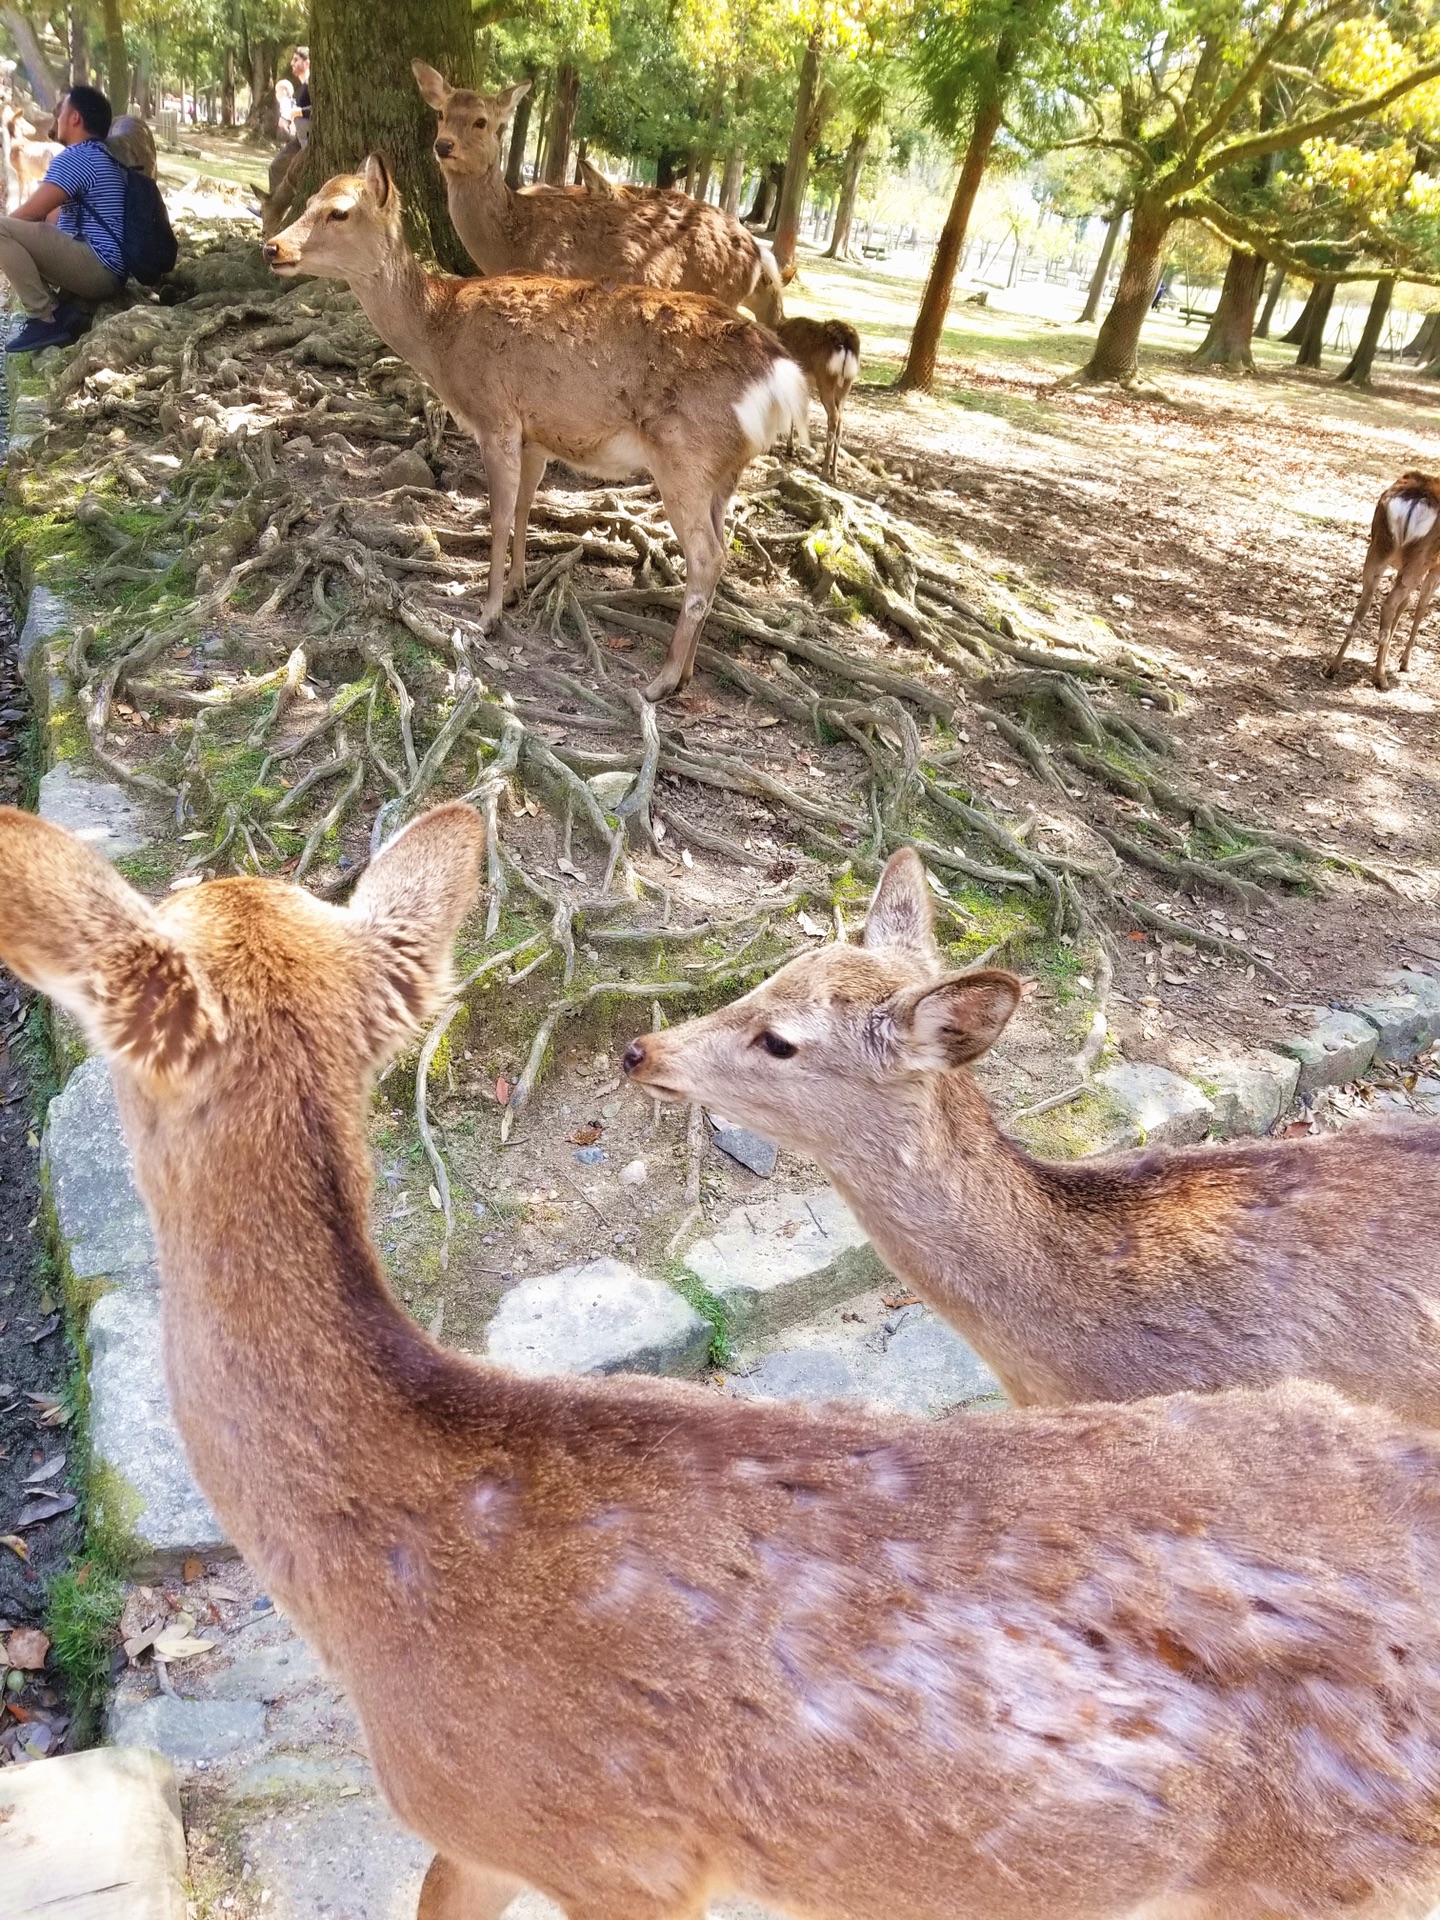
pixel 83 1621
pixel 705 1303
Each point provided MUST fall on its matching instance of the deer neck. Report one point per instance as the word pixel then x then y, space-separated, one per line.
pixel 485 211
pixel 972 1222
pixel 408 307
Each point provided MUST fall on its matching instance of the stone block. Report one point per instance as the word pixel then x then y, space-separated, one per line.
pixel 267 1674
pixel 1250 1092
pixel 1160 1107
pixel 46 615
pixel 350 1860
pixel 93 1836
pixel 101 1217
pixel 192 1733
pixel 784 1259
pixel 1404 1011
pixel 923 1368
pixel 747 1149
pixel 599 1316
pixel 133 1434
pixel 94 810
pixel 1332 1047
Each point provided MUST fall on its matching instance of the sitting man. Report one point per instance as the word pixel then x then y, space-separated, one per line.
pixel 82 252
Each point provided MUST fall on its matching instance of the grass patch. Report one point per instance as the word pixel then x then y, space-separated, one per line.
pixel 83 1622
pixel 692 1288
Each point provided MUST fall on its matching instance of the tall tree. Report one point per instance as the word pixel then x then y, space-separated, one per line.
pixel 1232 325
pixel 365 101
pixel 804 132
pixel 117 63
pixel 1358 372
pixel 1095 292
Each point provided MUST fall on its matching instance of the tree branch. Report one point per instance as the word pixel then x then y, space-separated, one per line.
pixel 1281 138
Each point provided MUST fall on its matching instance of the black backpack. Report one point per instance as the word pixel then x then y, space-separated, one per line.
pixel 149 248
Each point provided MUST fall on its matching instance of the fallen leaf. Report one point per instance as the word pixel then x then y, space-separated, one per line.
pixel 47 1328
pixel 585 1136
pixel 16 1545
pixel 27 1647
pixel 435 1200
pixel 502 1091
pixel 47 1470
pixel 811 926
pixel 893 1300
pixel 31 1140
pixel 569 868
pixel 619 642
pixel 768 720
pixel 50 1411
pixel 192 1570
pixel 45 1508
pixel 179 1643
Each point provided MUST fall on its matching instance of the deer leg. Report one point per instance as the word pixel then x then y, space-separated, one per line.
pixel 832 438
pixel 502 472
pixel 699 527
pixel 532 465
pixel 1427 594
pixel 1408 585
pixel 1369 581
pixel 453 1891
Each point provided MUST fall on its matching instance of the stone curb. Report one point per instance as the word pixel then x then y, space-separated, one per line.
pixel 94 1833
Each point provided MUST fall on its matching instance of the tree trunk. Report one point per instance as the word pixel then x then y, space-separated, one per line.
pixel 1427 340
pixel 365 101
pixel 1232 326
pixel 81 72
pixel 519 134
pixel 1272 301
pixel 227 89
pixel 797 164
pixel 562 124
pixel 263 120
pixel 1315 316
pixel 1358 371
pixel 666 166
pixel 542 123
pixel 777 194
pixel 1117 345
pixel 839 247
pixel 919 369
pixel 117 62
pixel 1096 292
pixel 1295 336
pixel 37 69
pixel 731 182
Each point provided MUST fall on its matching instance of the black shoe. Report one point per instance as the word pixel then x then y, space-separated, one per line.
pixel 66 325
pixel 76 319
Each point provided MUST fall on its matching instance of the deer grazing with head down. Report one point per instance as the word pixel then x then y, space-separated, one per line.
pixel 829 353
pixel 637 236
pixel 1178 1660
pixel 613 380
pixel 1405 539
pixel 1102 1279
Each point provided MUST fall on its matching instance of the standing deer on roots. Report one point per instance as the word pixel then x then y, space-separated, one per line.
pixel 1405 536
pixel 614 380
pixel 634 236
pixel 1104 1279
pixel 1178 1660
pixel 829 353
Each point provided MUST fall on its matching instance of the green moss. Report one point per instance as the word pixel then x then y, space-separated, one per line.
pixel 1086 1125
pixel 151 867
pixel 690 1287
pixel 83 1611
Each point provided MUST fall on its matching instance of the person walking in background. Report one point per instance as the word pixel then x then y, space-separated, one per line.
pixel 65 243
pixel 300 67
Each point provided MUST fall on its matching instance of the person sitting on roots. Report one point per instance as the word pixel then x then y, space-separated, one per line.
pixel 78 256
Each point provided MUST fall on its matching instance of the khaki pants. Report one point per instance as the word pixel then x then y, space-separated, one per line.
pixel 40 261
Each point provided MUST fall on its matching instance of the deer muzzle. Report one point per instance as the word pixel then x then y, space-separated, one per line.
pixel 444 148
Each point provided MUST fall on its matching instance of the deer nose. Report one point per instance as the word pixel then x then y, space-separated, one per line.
pixel 444 149
pixel 634 1056
pixel 271 251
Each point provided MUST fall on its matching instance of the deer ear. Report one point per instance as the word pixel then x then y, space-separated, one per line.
pixel 955 1021
pixel 901 916
pixel 504 104
pixel 435 87
pixel 73 928
pixel 410 902
pixel 377 179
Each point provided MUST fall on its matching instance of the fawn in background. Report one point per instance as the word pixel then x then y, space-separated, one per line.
pixel 646 236
pixel 829 353
pixel 1405 538
pixel 1102 1279
pixel 613 380
pixel 1178 1660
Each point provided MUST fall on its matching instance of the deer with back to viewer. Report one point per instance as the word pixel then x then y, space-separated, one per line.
pixel 613 380
pixel 1405 538
pixel 1103 1279
pixel 650 237
pixel 1175 1661
pixel 829 353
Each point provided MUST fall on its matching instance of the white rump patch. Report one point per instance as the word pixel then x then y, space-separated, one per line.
pixel 1411 518
pixel 776 404
pixel 852 364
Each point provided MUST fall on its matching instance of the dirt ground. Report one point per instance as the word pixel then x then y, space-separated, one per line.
pixel 1026 615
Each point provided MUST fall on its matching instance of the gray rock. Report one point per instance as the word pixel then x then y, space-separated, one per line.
pixel 45 615
pixel 780 1260
pixel 749 1149
pixel 1405 1013
pixel 100 1215
pixel 348 1861
pixel 610 788
pixel 301 1776
pixel 1332 1048
pixel 94 1836
pixel 1159 1106
pixel 927 1368
pixel 265 1673
pixel 94 810
pixel 599 1316
pixel 192 1733
pixel 801 1373
pixel 28 417
pixel 1249 1093
pixel 408 469
pixel 133 1434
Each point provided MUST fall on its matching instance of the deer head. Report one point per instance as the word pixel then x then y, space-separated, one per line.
pixel 255 964
pixel 349 229
pixel 834 1028
pixel 468 139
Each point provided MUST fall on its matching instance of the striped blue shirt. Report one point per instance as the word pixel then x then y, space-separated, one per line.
pixel 87 171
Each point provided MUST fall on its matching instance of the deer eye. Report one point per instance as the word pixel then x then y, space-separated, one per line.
pixel 773 1044
pixel 340 213
pixel 480 122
